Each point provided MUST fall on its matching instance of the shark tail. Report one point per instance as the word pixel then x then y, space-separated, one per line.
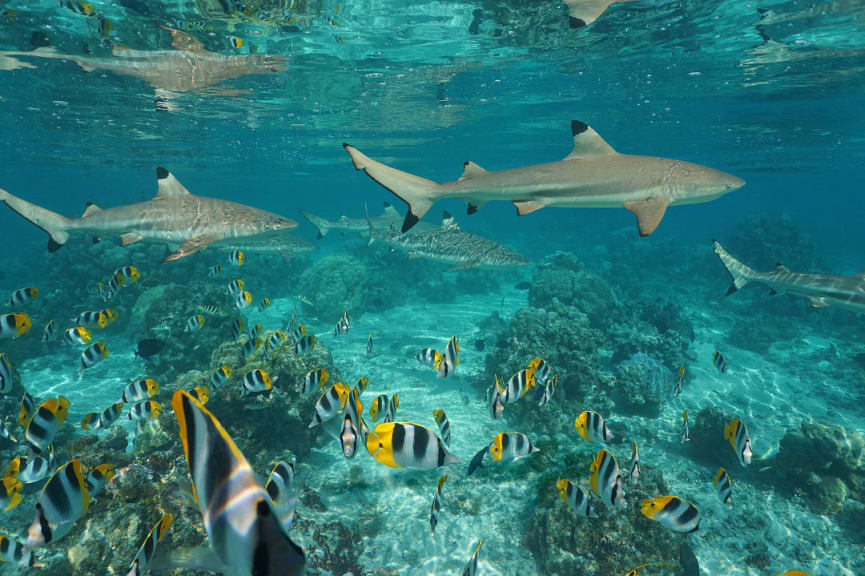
pixel 56 225
pixel 322 225
pixel 419 193
pixel 740 273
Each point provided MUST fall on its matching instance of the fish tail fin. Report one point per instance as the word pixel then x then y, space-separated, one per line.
pixel 54 224
pixel 419 193
pixel 740 273
pixel 322 225
pixel 478 460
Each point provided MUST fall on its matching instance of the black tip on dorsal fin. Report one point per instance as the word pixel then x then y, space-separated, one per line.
pixel 471 209
pixel 576 22
pixel 778 264
pixel 387 205
pixel 446 215
pixel 578 127
pixel 346 145
pixel 89 203
pixel 161 173
pixel 410 221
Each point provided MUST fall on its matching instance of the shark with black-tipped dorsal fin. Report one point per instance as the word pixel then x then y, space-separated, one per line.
pixel 174 217
pixel 593 175
pixel 584 12
pixel 822 289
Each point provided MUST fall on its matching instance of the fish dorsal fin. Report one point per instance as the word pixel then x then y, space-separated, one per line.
pixel 90 209
pixel 587 142
pixel 448 222
pixel 167 185
pixel 781 268
pixel 389 210
pixel 470 171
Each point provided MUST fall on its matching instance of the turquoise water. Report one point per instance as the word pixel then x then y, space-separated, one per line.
pixel 251 102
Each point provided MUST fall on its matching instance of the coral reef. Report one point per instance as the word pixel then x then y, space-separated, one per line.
pixel 643 383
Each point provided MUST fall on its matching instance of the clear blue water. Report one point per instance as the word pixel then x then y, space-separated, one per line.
pixel 768 91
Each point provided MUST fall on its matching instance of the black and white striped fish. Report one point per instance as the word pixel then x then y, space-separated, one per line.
pixel 94 354
pixel 517 385
pixel 139 391
pixel 250 346
pixel 5 373
pixel 686 429
pixel 10 493
pixel 235 287
pixel 719 362
pixel 494 400
pixel 23 295
pixel 369 344
pixel 104 419
pixel 14 325
pixel 592 427
pixel 147 551
pixel 243 300
pixel 215 271
pixel 12 551
pixel 264 304
pixel 238 327
pixel 32 469
pixel 406 445
pixel 737 435
pixel 63 500
pixel 195 323
pixel 77 336
pixel 91 319
pixel 247 538
pixel 298 334
pixel 549 390
pixel 256 381
pixel 45 422
pixel 314 381
pixel 305 344
pixel 49 333
pixel 273 342
pixel 98 477
pixel 672 512
pixel 677 389
pixel 543 372
pixel 221 376
pixel 350 432
pixel 330 404
pixel 443 423
pixel 471 568
pixel 605 479
pixel 236 257
pixel 435 510
pixel 26 409
pixel 147 410
pixel 509 446
pixel 429 357
pixel 6 432
pixel 723 486
pixel 635 469
pixel 255 331
pixel 450 358
pixel 279 481
pixel 574 497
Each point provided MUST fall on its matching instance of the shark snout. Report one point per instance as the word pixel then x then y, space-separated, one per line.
pixel 733 183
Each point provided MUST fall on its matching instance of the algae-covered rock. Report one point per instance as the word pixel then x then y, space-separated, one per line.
pixel 643 383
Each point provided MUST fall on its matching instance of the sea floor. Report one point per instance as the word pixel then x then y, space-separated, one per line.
pixel 391 507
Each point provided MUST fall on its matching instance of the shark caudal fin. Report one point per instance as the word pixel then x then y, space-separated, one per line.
pixel 419 193
pixel 56 225
pixel 322 225
pixel 740 273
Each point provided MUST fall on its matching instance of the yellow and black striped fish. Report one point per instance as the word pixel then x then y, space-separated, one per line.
pixel 256 381
pixel 98 477
pixel 443 423
pixel 104 419
pixel 407 445
pixel 130 274
pixel 471 568
pixel 250 346
pixel 305 344
pixel 298 334
pixel 314 381
pixel 78 335
pixel 5 373
pixel 273 342
pixel 450 358
pixel 23 296
pixel 236 257
pixel 435 510
pixel 592 427
pixel 573 496
pixel 10 493
pixel 330 404
pixel 672 512
pixel 350 432
pixel 429 357
pixel 147 410
pixel 517 386
pixel 247 537
pixel 63 500
pixel 737 435
pixel 264 304
pixel 724 487
pixel 221 376
pixel 243 300
pixel 719 362
pixel 12 551
pixel 50 331
pixel 14 325
pixel 94 354
pixel 139 391
pixel 92 319
pixel 45 422
pixel 215 271
pixel 195 323
pixel 147 551
pixel 200 393
pixel 235 287
pixel 605 479
pixel 279 482
pixel 238 328
pixel 26 409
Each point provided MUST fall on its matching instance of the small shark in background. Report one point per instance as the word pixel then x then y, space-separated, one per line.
pixel 593 175
pixel 283 243
pixel 584 12
pixel 388 221
pixel 174 217
pixel 822 289
pixel 189 67
pixel 451 245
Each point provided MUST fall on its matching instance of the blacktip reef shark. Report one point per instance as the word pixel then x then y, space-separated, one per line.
pixel 283 243
pixel 449 244
pixel 584 12
pixel 174 217
pixel 593 175
pixel 822 289
pixel 189 67
pixel 388 221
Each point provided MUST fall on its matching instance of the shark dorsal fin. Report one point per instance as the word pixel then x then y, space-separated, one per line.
pixel 587 142
pixel 389 210
pixel 470 171
pixel 448 222
pixel 90 209
pixel 781 268
pixel 167 185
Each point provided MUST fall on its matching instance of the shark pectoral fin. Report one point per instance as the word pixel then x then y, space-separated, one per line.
pixel 818 302
pixel 474 207
pixel 129 238
pixel 649 213
pixel 587 143
pixel 470 171
pixel 527 207
pixel 191 246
